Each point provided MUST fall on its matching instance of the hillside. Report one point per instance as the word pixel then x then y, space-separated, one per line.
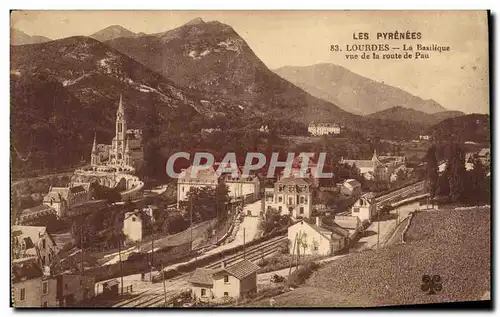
pixel 85 79
pixel 112 32
pixel 20 38
pixel 213 59
pixel 411 115
pixel 472 127
pixel 352 92
pixel 437 243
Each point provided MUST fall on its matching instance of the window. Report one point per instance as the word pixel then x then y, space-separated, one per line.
pixel 361 202
pixel 43 244
pixel 203 292
pixel 45 288
pixel 50 257
pixel 182 187
pixel 302 199
pixel 226 294
pixel 290 200
pixel 291 188
pixel 226 279
pixel 301 210
pixel 65 286
pixel 280 199
pixel 22 294
pixel 279 209
pixel 119 127
pixel 133 219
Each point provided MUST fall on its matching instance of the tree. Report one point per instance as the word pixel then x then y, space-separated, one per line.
pixel 204 201
pixel 477 187
pixel 456 167
pixel 432 171
pixel 303 241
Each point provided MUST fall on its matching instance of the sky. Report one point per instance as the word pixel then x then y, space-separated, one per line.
pixel 457 79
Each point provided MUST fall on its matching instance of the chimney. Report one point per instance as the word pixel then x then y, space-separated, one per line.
pixel 318 221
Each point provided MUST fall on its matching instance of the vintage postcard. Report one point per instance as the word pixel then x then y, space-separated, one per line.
pixel 250 159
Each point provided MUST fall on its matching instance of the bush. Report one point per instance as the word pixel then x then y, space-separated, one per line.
pixel 299 276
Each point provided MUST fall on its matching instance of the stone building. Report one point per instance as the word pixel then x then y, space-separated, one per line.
pixel 126 148
pixel 290 196
pixel 315 128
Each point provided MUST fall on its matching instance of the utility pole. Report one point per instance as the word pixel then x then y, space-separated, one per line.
pixel 298 250
pixel 293 252
pixel 164 286
pixel 244 247
pixel 378 230
pixel 191 221
pixel 151 264
pixel 120 258
pixel 217 216
pixel 81 249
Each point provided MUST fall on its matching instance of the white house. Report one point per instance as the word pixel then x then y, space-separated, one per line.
pixel 312 239
pixel 365 207
pixel 202 178
pixel 290 196
pixel 34 242
pixel 238 185
pixel 132 226
pixel 350 187
pixel 233 281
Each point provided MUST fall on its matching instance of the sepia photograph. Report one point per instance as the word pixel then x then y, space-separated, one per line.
pixel 250 159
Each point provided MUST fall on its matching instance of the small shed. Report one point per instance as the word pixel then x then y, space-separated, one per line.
pixel 110 288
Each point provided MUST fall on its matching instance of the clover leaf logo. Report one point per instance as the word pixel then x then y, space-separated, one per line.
pixel 431 285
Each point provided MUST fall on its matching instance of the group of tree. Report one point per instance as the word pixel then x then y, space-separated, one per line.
pixel 455 182
pixel 206 203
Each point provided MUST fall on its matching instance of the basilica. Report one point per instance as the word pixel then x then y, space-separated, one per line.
pixel 125 151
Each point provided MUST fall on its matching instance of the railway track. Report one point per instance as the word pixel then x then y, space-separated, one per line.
pixel 400 193
pixel 253 253
pixel 157 298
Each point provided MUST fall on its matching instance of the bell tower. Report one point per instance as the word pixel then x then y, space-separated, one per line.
pixel 94 156
pixel 121 131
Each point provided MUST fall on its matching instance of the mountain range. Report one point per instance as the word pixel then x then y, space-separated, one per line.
pixel 20 38
pixel 352 92
pixel 113 32
pixel 411 115
pixel 472 127
pixel 171 82
pixel 85 77
pixel 210 57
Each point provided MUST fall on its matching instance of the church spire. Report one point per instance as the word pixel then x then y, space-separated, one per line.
pixel 94 146
pixel 120 108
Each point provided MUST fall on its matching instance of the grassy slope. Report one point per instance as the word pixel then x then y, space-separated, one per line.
pixel 453 244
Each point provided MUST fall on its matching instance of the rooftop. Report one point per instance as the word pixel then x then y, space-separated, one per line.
pixel 25 269
pixel 242 269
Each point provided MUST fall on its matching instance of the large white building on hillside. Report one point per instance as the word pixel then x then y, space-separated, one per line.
pixel 315 128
